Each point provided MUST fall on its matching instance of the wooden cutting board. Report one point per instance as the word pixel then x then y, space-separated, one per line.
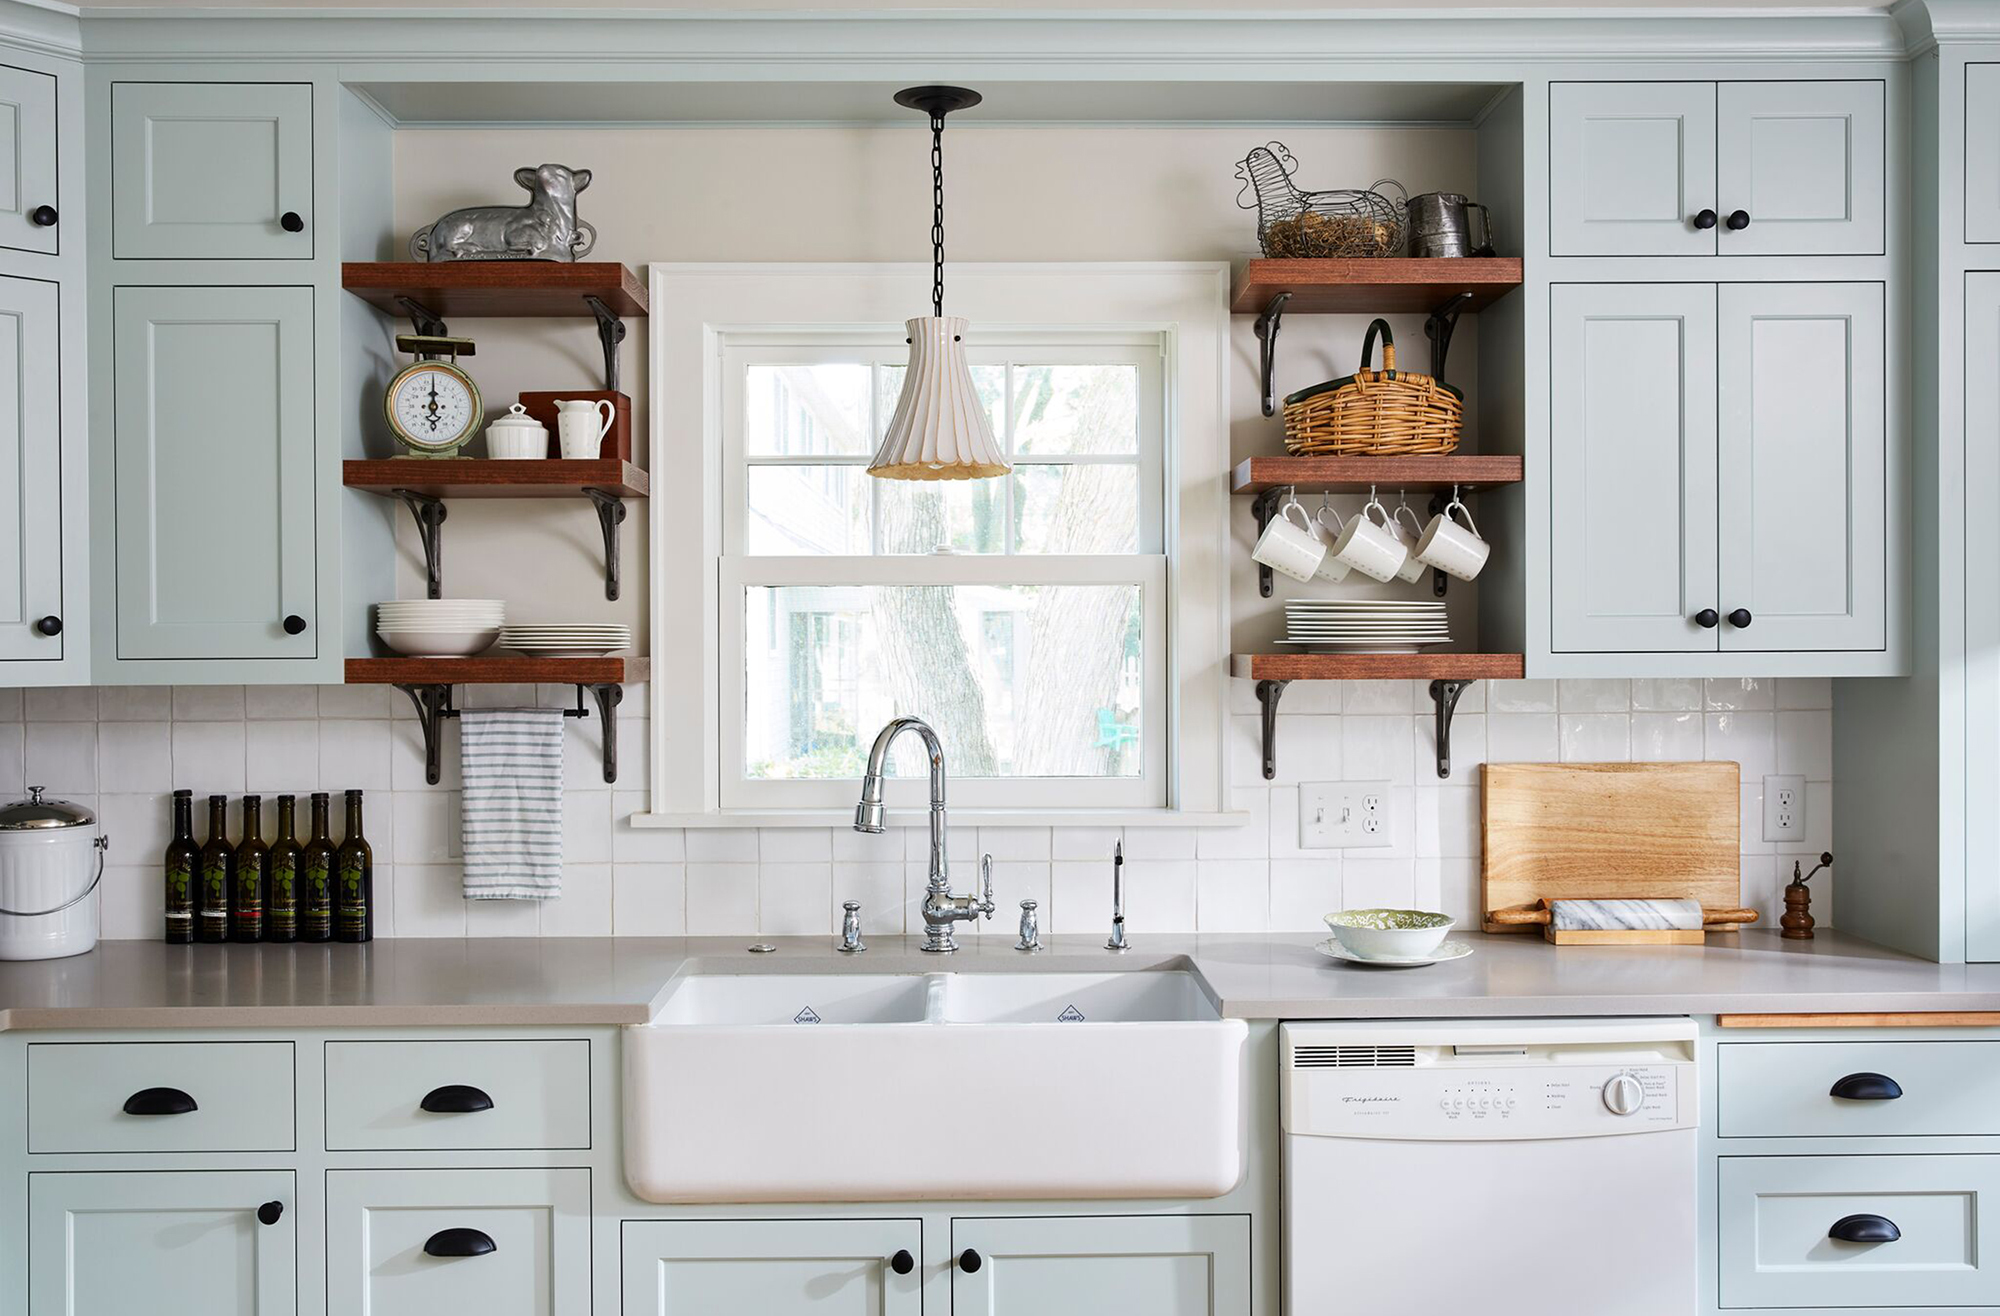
pixel 1565 831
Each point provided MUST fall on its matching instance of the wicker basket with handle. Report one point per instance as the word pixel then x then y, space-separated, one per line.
pixel 1375 413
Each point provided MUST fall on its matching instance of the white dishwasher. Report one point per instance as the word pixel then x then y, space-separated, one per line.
pixel 1510 1167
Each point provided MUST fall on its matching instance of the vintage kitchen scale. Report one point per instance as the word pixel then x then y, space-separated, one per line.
pixel 1598 854
pixel 432 405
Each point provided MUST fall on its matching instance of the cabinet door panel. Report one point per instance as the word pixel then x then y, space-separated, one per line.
pixel 1804 160
pixel 1632 459
pixel 27 159
pixel 771 1267
pixel 1801 453
pixel 1084 1266
pixel 1630 165
pixel 1982 153
pixel 1981 509
pixel 209 170
pixel 186 1243
pixel 30 470
pixel 214 517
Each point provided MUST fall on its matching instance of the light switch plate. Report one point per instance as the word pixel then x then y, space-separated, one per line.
pixel 1784 808
pixel 1336 815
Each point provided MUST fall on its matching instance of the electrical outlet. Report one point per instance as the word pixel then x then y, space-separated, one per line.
pixel 1784 808
pixel 1344 815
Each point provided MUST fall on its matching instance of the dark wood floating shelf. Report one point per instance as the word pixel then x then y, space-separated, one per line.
pixel 1358 474
pixel 477 477
pixel 1377 666
pixel 496 287
pixel 500 670
pixel 1373 287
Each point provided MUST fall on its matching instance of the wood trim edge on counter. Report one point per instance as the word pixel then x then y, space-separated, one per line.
pixel 1906 1019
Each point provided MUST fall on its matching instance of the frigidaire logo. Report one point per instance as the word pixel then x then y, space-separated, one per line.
pixel 1371 1101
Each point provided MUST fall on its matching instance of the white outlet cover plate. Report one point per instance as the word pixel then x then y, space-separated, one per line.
pixel 1784 808
pixel 1345 815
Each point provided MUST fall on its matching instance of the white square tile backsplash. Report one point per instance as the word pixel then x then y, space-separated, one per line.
pixel 123 750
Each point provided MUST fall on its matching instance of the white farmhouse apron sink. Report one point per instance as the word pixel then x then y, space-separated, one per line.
pixel 917 1087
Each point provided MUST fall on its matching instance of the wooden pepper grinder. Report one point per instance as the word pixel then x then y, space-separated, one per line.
pixel 1798 919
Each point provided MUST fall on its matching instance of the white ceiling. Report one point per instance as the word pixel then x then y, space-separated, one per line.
pixel 1373 7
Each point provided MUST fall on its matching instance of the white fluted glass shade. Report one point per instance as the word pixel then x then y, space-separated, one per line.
pixel 939 431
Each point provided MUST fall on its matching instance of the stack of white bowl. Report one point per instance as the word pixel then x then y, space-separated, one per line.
pixel 440 628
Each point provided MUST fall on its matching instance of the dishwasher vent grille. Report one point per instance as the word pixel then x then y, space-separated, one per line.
pixel 1353 1057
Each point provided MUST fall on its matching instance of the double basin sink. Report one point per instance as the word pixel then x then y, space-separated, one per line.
pixel 776 1087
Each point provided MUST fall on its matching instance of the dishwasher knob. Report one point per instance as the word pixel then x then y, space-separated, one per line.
pixel 1623 1095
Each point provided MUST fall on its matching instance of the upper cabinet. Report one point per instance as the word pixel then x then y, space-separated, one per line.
pixel 31 477
pixel 173 198
pixel 1704 168
pixel 1982 153
pixel 28 215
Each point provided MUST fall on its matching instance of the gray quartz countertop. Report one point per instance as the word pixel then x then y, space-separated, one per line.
pixel 587 980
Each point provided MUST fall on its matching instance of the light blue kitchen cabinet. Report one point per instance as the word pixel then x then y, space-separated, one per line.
pixel 419 1242
pixel 29 216
pixel 219 171
pixel 176 1243
pixel 1180 1265
pixel 215 485
pixel 773 1267
pixel 31 503
pixel 1982 153
pixel 1630 166
pixel 1803 162
pixel 1979 504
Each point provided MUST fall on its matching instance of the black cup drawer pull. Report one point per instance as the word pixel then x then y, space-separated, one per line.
pixel 1865 1229
pixel 456 1099
pixel 160 1101
pixel 1866 1087
pixel 459 1243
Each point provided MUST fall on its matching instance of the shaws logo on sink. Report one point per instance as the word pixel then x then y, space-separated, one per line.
pixel 1070 1015
pixel 805 1016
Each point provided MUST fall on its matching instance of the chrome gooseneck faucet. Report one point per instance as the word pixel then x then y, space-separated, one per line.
pixel 941 907
pixel 1117 939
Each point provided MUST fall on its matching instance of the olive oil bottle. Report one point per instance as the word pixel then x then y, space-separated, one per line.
pixel 354 880
pixel 183 867
pixel 253 875
pixel 281 894
pixel 218 867
pixel 316 877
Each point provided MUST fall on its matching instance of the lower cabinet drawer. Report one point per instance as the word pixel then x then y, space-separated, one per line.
pixel 458 1096
pixel 160 1097
pixel 421 1242
pixel 1856 1089
pixel 1795 1231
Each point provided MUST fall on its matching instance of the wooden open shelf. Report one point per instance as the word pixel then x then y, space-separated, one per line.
pixel 1357 474
pixel 497 287
pixel 478 477
pixel 1374 287
pixel 1376 666
pixel 500 670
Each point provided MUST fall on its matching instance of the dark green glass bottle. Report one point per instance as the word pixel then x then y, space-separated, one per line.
pixel 316 877
pixel 218 867
pixel 183 863
pixel 281 894
pixel 354 880
pixel 253 875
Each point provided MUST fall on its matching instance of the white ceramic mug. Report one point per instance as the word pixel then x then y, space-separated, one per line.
pixel 1290 547
pixel 1411 570
pixel 579 429
pixel 1369 546
pixel 1456 550
pixel 1331 568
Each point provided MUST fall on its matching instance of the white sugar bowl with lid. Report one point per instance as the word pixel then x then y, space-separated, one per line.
pixel 517 436
pixel 51 860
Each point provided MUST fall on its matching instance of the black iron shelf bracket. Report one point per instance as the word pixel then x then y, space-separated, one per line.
pixel 429 513
pixel 434 705
pixel 1438 327
pixel 610 333
pixel 1445 695
pixel 610 515
pixel 1265 508
pixel 424 322
pixel 1267 349
pixel 1268 695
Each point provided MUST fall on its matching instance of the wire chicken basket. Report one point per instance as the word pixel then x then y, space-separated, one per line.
pixel 1292 222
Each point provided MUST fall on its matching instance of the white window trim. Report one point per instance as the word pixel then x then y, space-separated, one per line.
pixel 695 306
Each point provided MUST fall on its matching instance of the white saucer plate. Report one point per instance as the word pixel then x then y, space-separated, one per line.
pixel 1450 950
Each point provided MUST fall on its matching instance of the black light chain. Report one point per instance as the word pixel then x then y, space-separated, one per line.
pixel 937 213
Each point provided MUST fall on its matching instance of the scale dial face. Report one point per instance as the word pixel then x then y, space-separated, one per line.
pixel 433 408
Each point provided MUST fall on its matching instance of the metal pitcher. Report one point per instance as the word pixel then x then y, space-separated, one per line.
pixel 1441 225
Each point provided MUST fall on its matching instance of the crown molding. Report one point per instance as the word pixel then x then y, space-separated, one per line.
pixel 42 27
pixel 1926 23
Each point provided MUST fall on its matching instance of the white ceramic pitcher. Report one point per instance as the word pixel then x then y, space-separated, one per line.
pixel 579 428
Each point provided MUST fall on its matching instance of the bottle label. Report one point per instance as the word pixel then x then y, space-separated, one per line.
pixel 180 888
pixel 316 890
pixel 215 897
pixel 351 911
pixel 283 913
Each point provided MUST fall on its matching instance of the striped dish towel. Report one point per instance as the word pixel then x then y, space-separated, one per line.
pixel 511 759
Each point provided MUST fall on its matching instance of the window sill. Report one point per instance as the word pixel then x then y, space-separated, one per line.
pixel 920 818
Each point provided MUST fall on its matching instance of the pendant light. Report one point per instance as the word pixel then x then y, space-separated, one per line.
pixel 939 430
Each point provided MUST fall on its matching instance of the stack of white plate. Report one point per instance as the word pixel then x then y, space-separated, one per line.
pixel 580 641
pixel 1365 625
pixel 440 628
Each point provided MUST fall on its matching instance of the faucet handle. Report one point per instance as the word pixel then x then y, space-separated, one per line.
pixel 986 884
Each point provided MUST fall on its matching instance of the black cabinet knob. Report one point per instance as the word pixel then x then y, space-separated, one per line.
pixel 295 625
pixel 1865 1228
pixel 970 1261
pixel 268 1213
pixel 1866 1087
pixel 42 216
pixel 160 1101
pixel 1704 219
pixel 456 1099
pixel 1740 619
pixel 902 1263
pixel 50 625
pixel 1738 220
pixel 459 1243
pixel 1707 618
pixel 291 222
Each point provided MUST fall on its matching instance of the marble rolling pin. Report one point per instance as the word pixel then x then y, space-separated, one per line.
pixel 1625 922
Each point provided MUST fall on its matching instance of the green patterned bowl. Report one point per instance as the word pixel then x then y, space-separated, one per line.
pixel 1389 934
